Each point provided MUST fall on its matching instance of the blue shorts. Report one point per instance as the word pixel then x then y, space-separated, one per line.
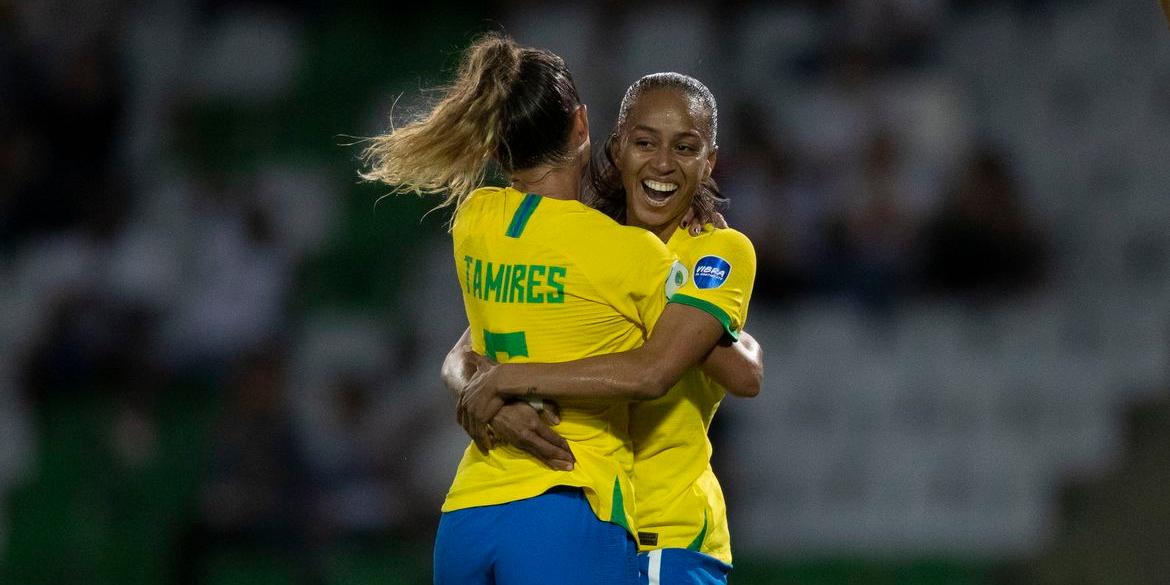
pixel 552 538
pixel 679 566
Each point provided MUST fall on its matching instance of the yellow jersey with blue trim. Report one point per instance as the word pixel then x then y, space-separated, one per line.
pixel 679 501
pixel 551 280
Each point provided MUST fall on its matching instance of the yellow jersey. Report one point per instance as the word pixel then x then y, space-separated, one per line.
pixel 678 498
pixel 550 280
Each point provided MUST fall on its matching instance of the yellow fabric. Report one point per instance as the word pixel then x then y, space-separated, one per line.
pixel 588 286
pixel 677 494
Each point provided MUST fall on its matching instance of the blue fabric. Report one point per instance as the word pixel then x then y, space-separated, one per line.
pixel 679 566
pixel 552 538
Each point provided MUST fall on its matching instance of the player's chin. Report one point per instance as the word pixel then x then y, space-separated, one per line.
pixel 653 217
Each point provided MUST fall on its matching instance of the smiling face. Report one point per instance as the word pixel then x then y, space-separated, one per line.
pixel 663 156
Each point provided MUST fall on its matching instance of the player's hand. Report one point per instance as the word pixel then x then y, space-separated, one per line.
pixel 482 434
pixel 694 224
pixel 480 401
pixel 520 425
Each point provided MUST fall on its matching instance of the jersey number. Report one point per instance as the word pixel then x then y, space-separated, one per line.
pixel 512 344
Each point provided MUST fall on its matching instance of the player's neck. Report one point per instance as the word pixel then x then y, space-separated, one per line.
pixel 549 181
pixel 664 231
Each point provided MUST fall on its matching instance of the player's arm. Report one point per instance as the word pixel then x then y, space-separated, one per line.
pixel 682 338
pixel 517 423
pixel 457 369
pixel 738 367
pixel 688 329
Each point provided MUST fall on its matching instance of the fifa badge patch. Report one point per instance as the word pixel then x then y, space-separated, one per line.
pixel 711 272
pixel 676 279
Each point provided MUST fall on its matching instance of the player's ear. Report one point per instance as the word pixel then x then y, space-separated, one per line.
pixel 579 135
pixel 613 146
pixel 581 124
pixel 709 167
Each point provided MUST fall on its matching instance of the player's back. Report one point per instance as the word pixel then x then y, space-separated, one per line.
pixel 549 280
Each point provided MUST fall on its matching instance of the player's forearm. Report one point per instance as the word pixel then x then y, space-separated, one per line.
pixel 457 367
pixel 681 339
pixel 622 376
pixel 738 367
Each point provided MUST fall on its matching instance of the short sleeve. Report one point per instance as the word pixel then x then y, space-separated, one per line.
pixel 648 285
pixel 720 281
pixel 628 270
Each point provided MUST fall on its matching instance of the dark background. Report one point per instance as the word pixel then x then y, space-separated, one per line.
pixel 219 356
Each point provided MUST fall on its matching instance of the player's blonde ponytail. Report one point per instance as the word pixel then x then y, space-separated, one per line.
pixel 448 149
pixel 511 104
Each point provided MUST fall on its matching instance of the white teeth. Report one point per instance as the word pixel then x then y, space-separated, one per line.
pixel 659 186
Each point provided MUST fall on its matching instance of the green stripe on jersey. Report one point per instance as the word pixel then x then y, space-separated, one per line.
pixel 697 543
pixel 709 308
pixel 523 214
pixel 617 514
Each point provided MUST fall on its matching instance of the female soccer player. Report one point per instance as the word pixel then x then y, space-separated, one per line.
pixel 544 278
pixel 657 166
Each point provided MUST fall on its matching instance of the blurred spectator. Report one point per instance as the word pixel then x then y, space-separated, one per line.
pixel 59 130
pixel 360 428
pixel 899 32
pixel 94 345
pixel 868 244
pixel 771 202
pixel 254 495
pixel 255 480
pixel 357 495
pixel 236 275
pixel 981 242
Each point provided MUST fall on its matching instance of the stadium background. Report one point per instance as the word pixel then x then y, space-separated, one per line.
pixel 219 357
